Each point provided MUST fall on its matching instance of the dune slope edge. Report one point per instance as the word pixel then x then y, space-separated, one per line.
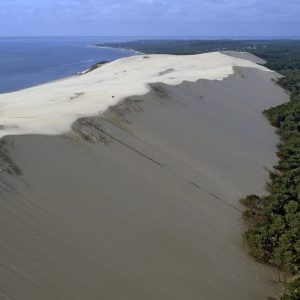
pixel 53 107
pixel 141 202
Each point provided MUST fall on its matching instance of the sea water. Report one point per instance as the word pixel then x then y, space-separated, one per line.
pixel 25 62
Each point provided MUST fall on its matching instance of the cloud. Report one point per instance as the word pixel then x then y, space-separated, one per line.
pixel 157 13
pixel 193 10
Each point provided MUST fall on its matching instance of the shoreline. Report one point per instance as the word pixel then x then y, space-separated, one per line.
pixel 120 48
pixel 83 72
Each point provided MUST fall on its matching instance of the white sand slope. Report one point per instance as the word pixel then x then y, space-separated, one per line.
pixel 52 108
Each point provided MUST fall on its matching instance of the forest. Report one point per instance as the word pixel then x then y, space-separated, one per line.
pixel 275 49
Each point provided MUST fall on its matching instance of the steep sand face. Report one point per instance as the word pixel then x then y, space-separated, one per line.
pixel 142 202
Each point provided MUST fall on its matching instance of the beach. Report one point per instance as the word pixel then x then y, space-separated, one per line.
pixel 124 183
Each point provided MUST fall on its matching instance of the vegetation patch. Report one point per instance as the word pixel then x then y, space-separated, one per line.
pixel 7 165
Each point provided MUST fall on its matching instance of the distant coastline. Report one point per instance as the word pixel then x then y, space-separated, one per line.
pixel 120 48
pixel 258 47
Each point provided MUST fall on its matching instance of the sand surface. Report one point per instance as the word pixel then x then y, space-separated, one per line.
pixel 141 202
pixel 53 107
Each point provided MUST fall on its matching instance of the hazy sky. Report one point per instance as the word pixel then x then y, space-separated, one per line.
pixel 150 17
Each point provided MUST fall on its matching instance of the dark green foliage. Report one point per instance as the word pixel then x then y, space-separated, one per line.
pixel 278 52
pixel 254 205
pixel 293 290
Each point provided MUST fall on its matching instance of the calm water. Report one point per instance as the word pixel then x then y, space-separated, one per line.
pixel 26 62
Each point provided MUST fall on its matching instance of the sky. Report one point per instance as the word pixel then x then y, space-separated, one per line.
pixel 209 18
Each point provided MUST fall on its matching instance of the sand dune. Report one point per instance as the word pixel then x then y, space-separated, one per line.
pixel 141 202
pixel 52 108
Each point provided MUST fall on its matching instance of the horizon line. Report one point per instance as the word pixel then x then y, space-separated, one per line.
pixel 216 37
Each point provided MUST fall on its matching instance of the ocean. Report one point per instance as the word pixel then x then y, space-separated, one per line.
pixel 25 62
